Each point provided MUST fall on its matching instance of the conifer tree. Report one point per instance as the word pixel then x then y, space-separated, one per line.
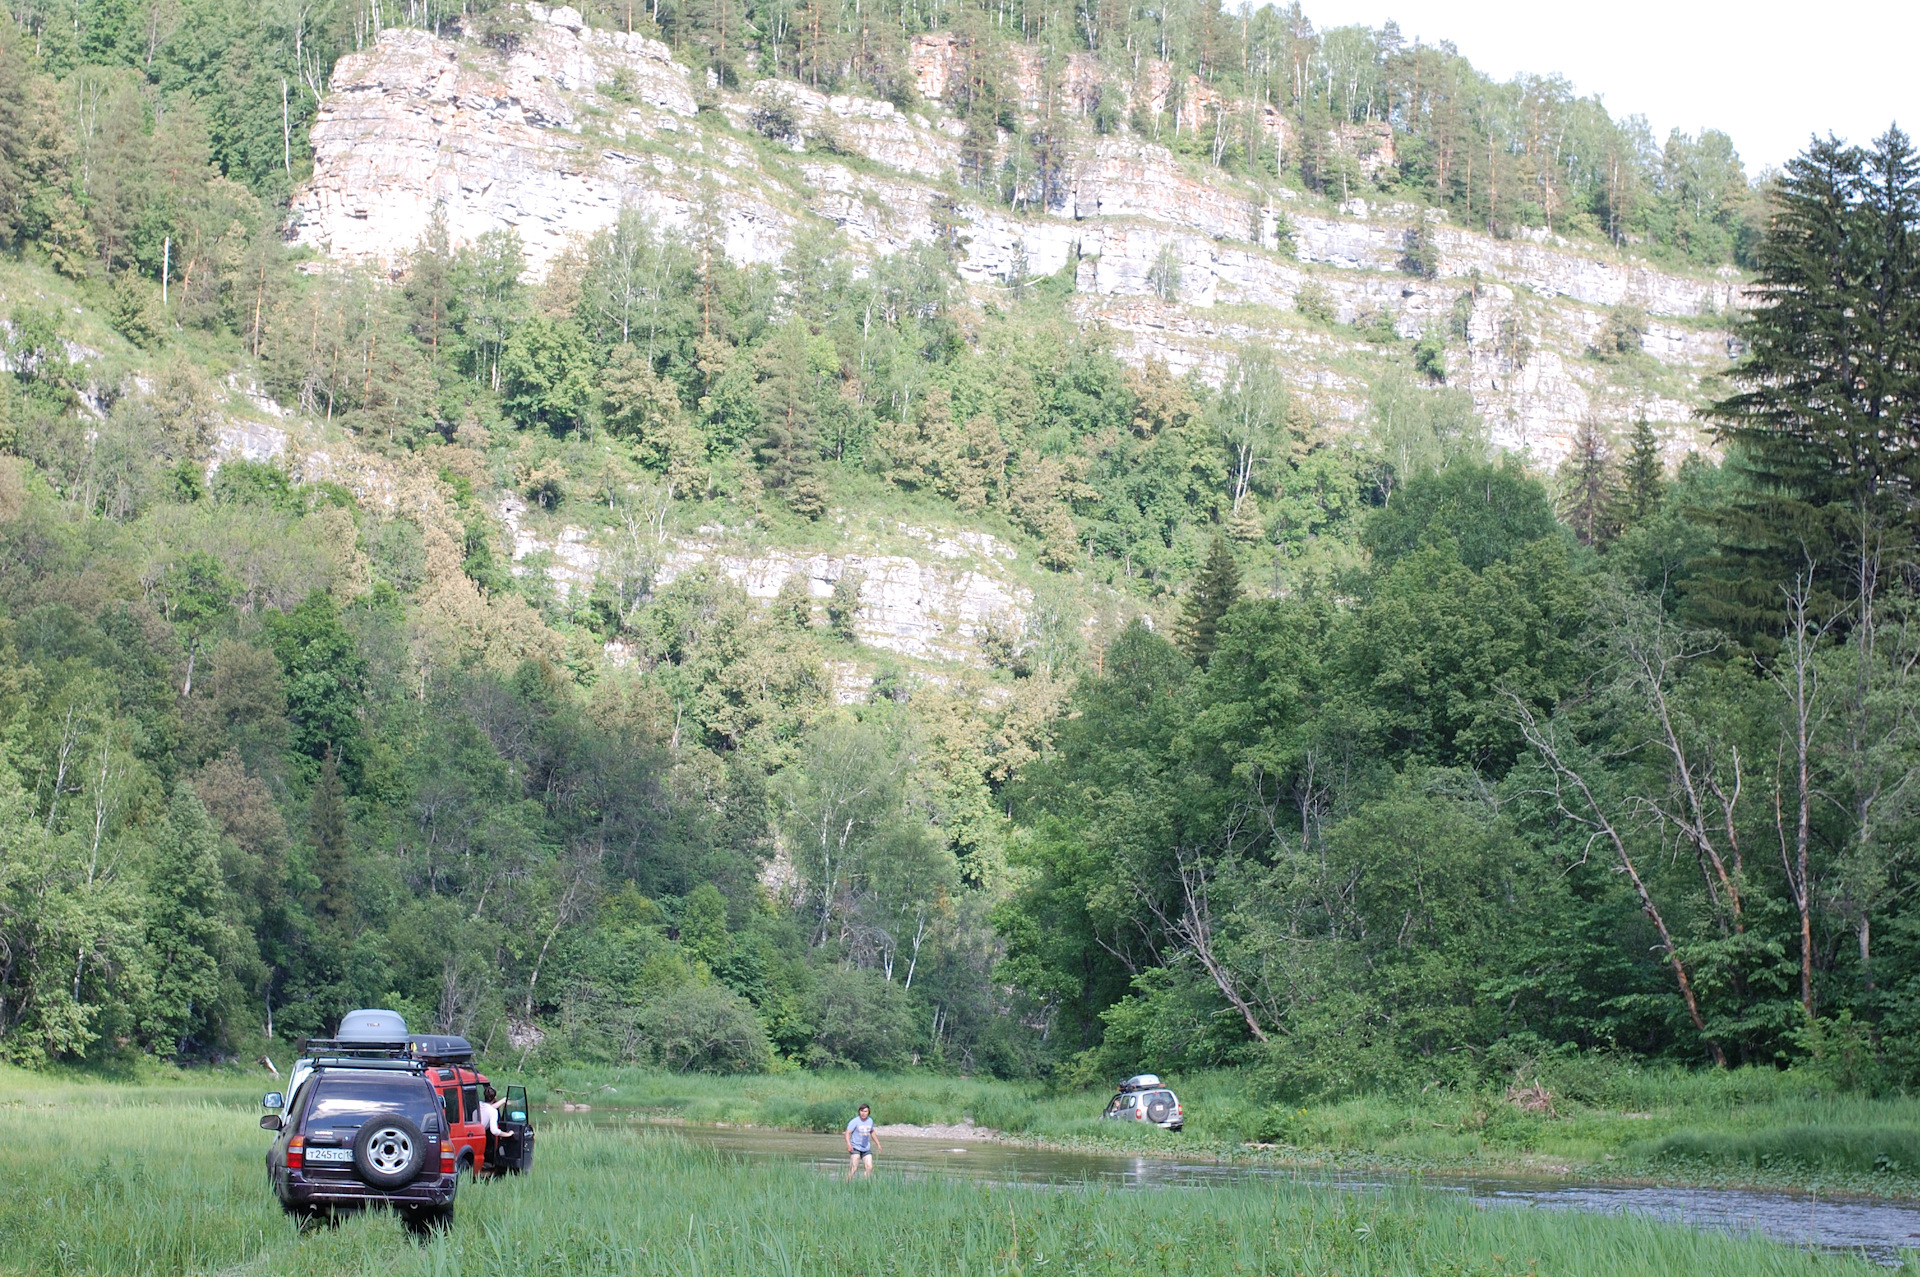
pixel 1643 478
pixel 1216 589
pixel 1589 499
pixel 430 288
pixel 194 937
pixel 1826 425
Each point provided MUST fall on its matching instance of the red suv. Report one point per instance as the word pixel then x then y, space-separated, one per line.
pixel 389 1122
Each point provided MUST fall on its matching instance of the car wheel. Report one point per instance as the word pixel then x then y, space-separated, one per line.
pixel 389 1152
pixel 463 1169
pixel 1159 1109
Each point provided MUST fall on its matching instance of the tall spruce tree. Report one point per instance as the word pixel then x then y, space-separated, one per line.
pixel 1216 589
pixel 1826 425
pixel 194 934
pixel 1589 500
pixel 1643 477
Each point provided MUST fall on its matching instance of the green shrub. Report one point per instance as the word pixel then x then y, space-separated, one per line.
pixel 1316 303
pixel 706 1028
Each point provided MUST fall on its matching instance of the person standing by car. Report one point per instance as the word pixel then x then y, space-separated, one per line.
pixel 861 1143
pixel 490 1123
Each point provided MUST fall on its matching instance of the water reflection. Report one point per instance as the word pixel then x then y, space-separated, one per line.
pixel 1880 1230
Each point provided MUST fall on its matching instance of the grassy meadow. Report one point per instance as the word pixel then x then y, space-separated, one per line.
pixel 165 1177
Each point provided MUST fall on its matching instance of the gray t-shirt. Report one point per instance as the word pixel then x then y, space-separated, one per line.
pixel 860 1134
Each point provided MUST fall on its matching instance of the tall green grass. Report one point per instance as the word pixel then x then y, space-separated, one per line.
pixel 157 1180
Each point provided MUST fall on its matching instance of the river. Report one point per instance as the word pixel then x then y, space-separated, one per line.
pixel 1878 1229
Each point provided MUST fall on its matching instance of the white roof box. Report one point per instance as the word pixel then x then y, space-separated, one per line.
pixel 1141 1082
pixel 372 1026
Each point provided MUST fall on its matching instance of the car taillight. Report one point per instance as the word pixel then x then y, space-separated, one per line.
pixel 297 1153
pixel 446 1157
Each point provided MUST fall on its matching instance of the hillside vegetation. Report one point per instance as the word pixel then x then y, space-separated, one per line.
pixel 555 654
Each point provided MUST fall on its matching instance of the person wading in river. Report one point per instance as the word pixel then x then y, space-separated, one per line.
pixel 862 1143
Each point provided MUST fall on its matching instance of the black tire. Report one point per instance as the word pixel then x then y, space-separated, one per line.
pixel 463 1169
pixel 1159 1108
pixel 389 1152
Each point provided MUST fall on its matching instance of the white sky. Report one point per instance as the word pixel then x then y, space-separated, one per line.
pixel 1767 73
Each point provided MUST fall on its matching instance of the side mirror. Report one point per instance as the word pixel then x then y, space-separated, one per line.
pixel 273 1100
pixel 270 1121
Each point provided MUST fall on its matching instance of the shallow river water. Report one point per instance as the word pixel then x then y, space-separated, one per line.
pixel 1878 1229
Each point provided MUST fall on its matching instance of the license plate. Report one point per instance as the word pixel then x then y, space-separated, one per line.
pixel 329 1155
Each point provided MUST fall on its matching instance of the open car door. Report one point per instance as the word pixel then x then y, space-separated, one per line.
pixel 514 1150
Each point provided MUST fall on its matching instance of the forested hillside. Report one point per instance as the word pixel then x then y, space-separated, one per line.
pixel 637 640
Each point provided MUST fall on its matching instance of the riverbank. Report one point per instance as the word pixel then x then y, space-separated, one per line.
pixel 1749 1128
pixel 163 1177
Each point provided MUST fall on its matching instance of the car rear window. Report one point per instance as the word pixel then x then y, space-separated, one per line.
pixel 350 1097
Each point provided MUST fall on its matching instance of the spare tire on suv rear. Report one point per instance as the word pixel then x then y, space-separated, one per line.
pixel 389 1152
pixel 1159 1106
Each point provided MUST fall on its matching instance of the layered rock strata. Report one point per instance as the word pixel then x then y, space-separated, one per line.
pixel 1182 261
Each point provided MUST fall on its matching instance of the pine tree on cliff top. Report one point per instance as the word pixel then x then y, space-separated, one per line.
pixel 1215 590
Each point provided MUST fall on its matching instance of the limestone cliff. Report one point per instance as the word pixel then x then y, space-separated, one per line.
pixel 556 137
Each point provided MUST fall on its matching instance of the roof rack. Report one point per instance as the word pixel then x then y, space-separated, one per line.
pixel 355 1047
pixel 428 1048
pixel 367 1062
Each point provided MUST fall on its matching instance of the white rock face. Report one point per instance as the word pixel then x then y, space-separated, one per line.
pixel 930 610
pixel 414 122
pixel 926 610
pixel 578 124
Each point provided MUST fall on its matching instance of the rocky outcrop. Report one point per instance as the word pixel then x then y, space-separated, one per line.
pixel 414 123
pixel 931 608
pixel 577 124
pixel 930 611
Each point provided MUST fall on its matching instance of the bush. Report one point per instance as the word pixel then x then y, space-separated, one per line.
pixel 773 121
pixel 1316 303
pixel 134 312
pixel 863 1019
pixel 256 483
pixel 1430 359
pixel 1421 256
pixel 1175 1020
pixel 1620 335
pixel 1167 276
pixel 843 609
pixel 705 1028
pixel 547 371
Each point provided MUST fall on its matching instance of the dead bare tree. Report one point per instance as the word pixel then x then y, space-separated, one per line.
pixel 1650 651
pixel 1799 679
pixel 1192 925
pixel 1575 800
